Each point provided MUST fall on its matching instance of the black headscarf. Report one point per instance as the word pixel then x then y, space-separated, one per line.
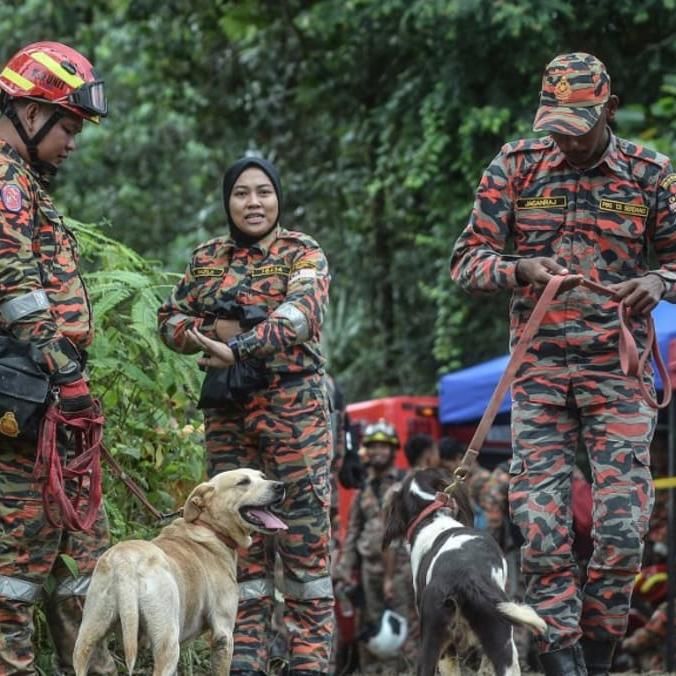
pixel 232 173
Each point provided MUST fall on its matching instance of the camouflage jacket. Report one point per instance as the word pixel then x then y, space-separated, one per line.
pixel 42 296
pixel 598 223
pixel 364 536
pixel 284 278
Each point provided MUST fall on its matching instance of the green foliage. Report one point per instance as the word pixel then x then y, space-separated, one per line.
pixel 381 117
pixel 148 392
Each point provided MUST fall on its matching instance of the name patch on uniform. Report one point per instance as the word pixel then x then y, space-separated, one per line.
pixel 542 202
pixel 207 272
pixel 668 180
pixel 11 198
pixel 626 208
pixel 267 270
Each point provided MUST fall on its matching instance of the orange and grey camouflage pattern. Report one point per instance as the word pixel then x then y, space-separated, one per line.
pixel 545 440
pixel 42 296
pixel 599 223
pixel 282 430
pixel 574 89
pixel 42 300
pixel 288 279
pixel 30 551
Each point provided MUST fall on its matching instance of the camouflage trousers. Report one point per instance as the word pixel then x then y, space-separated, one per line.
pixel 31 562
pixel 284 432
pixel 617 436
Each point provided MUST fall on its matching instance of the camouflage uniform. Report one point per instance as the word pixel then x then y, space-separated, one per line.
pixel 282 429
pixel 42 300
pixel 597 223
pixel 361 556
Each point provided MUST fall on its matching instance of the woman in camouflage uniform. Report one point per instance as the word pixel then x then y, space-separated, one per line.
pixel 254 301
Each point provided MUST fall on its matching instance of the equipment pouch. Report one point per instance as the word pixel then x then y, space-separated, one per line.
pixel 233 384
pixel 24 390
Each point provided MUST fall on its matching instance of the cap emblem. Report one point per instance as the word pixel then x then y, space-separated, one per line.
pixel 562 90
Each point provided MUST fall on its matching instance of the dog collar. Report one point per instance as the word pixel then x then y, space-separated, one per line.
pixel 441 500
pixel 225 539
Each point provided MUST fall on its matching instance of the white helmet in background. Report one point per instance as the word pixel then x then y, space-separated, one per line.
pixel 391 635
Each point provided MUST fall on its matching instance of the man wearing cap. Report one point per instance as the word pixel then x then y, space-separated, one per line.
pixel 584 203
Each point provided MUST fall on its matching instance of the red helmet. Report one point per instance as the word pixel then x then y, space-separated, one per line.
pixel 55 73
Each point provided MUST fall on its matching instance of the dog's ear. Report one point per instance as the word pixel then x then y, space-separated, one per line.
pixel 394 517
pixel 196 500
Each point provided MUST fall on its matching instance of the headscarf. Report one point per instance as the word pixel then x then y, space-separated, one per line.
pixel 232 173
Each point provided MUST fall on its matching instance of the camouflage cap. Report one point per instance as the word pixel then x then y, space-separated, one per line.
pixel 574 89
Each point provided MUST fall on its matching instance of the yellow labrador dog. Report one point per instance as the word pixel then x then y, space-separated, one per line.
pixel 184 581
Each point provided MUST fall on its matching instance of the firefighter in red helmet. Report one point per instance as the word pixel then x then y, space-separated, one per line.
pixel 47 91
pixel 59 78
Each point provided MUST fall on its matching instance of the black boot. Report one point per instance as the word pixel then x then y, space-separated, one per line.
pixel 565 662
pixel 598 656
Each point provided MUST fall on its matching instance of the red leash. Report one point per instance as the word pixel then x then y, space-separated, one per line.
pixel 632 364
pixel 82 472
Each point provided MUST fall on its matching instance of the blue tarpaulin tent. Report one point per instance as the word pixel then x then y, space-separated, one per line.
pixel 464 394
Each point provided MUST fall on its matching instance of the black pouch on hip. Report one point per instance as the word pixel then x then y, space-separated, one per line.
pixel 24 390
pixel 233 384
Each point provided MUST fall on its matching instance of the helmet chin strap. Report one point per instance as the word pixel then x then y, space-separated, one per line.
pixel 45 170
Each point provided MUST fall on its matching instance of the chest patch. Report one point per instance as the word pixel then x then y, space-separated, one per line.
pixel 560 202
pixel 267 270
pixel 625 208
pixel 11 198
pixel 208 272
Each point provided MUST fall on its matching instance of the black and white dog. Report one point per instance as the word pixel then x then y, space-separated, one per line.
pixel 459 576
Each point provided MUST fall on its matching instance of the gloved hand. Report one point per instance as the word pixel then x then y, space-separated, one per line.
pixel 351 473
pixel 74 397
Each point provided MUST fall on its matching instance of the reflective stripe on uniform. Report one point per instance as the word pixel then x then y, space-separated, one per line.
pixel 317 589
pixel 296 317
pixel 73 586
pixel 16 308
pixel 258 588
pixel 19 590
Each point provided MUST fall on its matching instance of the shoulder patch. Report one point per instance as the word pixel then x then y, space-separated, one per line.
pixel 668 181
pixel 11 197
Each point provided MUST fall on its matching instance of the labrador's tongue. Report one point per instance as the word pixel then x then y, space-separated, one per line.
pixel 269 520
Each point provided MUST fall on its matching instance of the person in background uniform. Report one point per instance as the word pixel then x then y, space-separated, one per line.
pixel 254 301
pixel 361 557
pixel 584 203
pixel 47 91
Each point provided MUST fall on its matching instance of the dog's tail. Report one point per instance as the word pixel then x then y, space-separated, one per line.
pixel 127 604
pixel 520 613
